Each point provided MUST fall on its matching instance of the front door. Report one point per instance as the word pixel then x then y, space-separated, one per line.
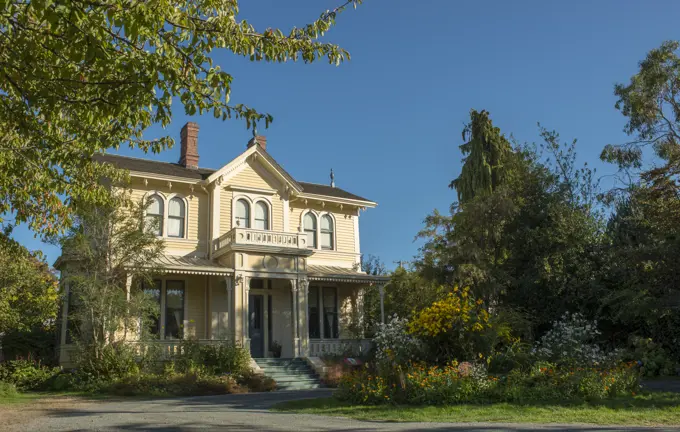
pixel 256 325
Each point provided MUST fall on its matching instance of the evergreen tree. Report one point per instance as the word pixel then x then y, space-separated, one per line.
pixel 486 154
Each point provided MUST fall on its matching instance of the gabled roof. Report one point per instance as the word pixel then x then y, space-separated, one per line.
pixel 325 190
pixel 208 175
pixel 153 167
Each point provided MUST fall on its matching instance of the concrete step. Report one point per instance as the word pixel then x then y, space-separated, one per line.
pixel 290 374
pixel 298 386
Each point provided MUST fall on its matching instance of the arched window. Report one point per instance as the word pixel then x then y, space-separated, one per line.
pixel 242 214
pixel 176 217
pixel 309 226
pixel 154 215
pixel 261 216
pixel 327 237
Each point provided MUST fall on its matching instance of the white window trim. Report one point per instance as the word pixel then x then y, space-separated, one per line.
pixel 268 204
pixel 185 231
pixel 318 216
pixel 185 320
pixel 163 197
pixel 252 201
pixel 320 308
pixel 166 207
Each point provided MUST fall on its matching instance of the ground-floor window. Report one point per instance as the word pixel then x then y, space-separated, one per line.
pixel 174 309
pixel 323 312
pixel 170 300
pixel 154 291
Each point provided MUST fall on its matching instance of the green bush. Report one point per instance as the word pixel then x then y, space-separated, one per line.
pixel 8 390
pixel 653 358
pixel 27 374
pixel 215 359
pixel 467 382
pixel 113 361
pixel 188 384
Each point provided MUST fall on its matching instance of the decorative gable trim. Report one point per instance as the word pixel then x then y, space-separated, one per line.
pixel 256 152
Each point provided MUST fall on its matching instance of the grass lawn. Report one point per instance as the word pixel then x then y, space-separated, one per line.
pixel 649 409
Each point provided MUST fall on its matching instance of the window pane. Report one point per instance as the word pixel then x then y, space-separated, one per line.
pixel 327 223
pixel 313 304
pixel 155 205
pixel 310 222
pixel 154 224
pixel 261 216
pixel 174 309
pixel 326 240
pixel 153 321
pixel 330 313
pixel 242 214
pixel 175 227
pixel 176 207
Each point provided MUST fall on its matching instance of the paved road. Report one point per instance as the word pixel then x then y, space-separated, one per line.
pixel 247 412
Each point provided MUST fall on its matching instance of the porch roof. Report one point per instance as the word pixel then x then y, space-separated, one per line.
pixel 192 265
pixel 342 274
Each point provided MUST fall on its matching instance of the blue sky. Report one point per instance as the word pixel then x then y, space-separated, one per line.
pixel 389 122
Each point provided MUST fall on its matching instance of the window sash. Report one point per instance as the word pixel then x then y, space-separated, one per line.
pixel 156 292
pixel 175 296
pixel 313 310
pixel 330 313
pixel 175 226
pixel 327 240
pixel 261 216
pixel 242 214
pixel 154 224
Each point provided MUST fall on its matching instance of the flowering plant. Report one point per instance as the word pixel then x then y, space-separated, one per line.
pixel 453 328
pixel 394 345
pixel 572 340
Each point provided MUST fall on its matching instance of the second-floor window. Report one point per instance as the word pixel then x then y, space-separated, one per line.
pixel 327 234
pixel 154 215
pixel 176 218
pixel 261 215
pixel 309 225
pixel 242 214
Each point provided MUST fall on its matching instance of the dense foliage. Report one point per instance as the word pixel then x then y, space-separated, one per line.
pixel 81 77
pixel 28 289
pixel 465 382
pixel 106 246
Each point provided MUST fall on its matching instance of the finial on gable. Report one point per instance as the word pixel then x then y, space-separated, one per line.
pixel 332 178
pixel 257 139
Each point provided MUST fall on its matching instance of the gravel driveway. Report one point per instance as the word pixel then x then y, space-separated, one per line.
pixel 246 412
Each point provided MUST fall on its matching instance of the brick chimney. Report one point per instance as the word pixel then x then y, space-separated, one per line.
pixel 189 151
pixel 259 139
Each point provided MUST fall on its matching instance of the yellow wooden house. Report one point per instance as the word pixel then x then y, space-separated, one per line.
pixel 253 255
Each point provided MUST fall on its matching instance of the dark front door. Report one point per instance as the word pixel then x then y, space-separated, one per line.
pixel 256 325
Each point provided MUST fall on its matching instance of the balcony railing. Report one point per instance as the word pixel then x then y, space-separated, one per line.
pixel 249 236
pixel 350 347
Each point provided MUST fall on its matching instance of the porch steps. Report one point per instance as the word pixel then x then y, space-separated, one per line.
pixel 290 374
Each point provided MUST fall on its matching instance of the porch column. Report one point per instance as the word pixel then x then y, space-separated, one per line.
pixel 381 287
pixel 230 307
pixel 246 312
pixel 304 317
pixel 128 286
pixel 296 300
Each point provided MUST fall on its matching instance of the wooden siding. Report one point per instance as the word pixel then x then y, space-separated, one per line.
pixel 197 218
pixel 251 176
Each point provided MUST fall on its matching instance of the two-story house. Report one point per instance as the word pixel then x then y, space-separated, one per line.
pixel 252 254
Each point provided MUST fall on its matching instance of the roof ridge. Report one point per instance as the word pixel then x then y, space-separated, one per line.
pixel 149 160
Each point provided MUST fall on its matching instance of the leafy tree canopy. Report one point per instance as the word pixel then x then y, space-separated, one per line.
pixel 28 289
pixel 79 77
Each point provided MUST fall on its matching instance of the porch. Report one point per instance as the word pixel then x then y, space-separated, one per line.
pixel 288 315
